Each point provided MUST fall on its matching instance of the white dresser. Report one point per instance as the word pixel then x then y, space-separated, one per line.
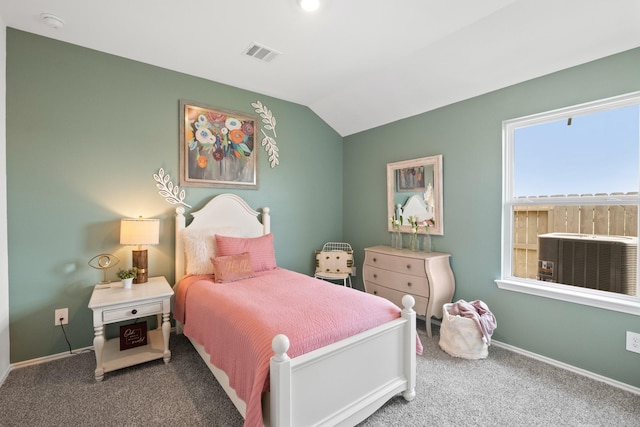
pixel 427 276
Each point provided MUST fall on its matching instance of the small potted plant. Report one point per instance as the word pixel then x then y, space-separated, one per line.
pixel 127 276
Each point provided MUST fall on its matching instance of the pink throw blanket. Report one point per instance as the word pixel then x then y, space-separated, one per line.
pixel 479 313
pixel 237 321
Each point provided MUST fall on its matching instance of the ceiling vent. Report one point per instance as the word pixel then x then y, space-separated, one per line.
pixel 260 52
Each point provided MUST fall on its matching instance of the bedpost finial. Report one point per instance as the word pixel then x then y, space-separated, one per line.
pixel 280 345
pixel 408 302
pixel 180 210
pixel 265 210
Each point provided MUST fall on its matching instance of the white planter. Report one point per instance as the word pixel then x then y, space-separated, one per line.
pixel 126 283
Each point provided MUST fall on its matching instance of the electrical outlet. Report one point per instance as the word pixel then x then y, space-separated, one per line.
pixel 61 313
pixel 633 342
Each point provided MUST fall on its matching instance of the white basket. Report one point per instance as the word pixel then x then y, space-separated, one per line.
pixel 460 336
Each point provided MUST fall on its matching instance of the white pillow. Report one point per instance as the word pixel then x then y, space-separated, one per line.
pixel 199 247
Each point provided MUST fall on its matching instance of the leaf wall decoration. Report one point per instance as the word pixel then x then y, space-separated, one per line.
pixel 171 193
pixel 268 142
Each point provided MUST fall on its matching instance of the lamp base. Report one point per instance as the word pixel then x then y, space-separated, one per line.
pixel 139 260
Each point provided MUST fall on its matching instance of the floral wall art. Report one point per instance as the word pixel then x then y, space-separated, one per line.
pixel 217 147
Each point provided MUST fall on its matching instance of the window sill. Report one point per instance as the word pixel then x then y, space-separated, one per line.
pixel 620 303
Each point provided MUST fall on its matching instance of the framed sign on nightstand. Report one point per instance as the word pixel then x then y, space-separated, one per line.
pixel 133 335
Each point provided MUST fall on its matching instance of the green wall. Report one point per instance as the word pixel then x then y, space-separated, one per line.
pixel 468 135
pixel 85 133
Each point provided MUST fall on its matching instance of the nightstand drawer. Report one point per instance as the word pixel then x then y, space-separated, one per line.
pixel 131 312
pixel 401 264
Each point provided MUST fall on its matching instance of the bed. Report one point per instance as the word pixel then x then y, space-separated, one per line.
pixel 338 382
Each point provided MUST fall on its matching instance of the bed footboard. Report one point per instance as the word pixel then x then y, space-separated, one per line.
pixel 345 382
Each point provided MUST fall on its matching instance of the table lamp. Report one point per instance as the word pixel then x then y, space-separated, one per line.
pixel 139 232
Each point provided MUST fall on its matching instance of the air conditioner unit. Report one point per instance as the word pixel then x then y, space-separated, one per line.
pixel 607 263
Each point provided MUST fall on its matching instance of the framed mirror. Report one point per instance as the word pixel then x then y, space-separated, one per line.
pixel 414 187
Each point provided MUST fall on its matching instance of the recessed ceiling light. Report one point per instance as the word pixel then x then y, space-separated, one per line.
pixel 309 5
pixel 52 20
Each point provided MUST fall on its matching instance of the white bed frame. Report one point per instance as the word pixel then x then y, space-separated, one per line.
pixel 337 385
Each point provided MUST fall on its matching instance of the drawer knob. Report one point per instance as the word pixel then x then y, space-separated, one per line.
pixel 375 292
pixel 375 276
pixel 134 311
pixel 409 284
pixel 375 259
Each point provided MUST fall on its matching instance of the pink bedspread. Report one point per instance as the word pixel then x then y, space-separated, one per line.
pixel 236 322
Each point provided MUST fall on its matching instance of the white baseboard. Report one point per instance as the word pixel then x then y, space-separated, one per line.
pixel 52 357
pixel 49 358
pixel 566 366
pixel 4 375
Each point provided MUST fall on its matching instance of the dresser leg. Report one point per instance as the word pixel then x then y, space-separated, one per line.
pixel 166 330
pixel 98 345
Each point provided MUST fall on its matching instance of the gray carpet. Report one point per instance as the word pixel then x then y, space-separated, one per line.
pixel 506 389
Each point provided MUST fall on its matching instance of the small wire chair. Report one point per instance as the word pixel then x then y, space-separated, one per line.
pixel 335 262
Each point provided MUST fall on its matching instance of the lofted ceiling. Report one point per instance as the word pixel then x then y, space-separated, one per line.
pixel 357 64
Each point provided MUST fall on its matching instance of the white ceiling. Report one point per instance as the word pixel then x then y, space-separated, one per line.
pixel 358 64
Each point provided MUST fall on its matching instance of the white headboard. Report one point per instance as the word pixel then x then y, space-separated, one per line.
pixel 225 214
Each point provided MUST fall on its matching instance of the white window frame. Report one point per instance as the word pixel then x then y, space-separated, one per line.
pixel 601 299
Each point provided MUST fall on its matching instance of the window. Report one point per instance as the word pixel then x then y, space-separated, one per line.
pixel 571 185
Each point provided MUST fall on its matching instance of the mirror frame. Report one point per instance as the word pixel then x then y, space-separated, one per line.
pixel 436 161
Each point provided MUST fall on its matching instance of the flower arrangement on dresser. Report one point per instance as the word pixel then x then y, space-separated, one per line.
pixel 413 242
pixel 428 223
pixel 396 237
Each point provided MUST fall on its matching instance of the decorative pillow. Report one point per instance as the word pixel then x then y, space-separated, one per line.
pixel 232 267
pixel 334 262
pixel 260 249
pixel 198 248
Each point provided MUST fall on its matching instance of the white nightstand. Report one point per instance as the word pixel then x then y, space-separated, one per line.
pixel 116 304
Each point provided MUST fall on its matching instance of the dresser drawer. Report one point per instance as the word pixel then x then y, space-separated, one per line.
pixel 401 264
pixel 404 283
pixel 396 297
pixel 131 312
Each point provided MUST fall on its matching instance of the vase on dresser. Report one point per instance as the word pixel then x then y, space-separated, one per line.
pixel 426 242
pixel 413 242
pixel 396 239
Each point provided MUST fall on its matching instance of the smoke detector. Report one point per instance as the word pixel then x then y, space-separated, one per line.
pixel 52 20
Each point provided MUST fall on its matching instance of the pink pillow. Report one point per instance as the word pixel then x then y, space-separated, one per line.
pixel 260 249
pixel 232 267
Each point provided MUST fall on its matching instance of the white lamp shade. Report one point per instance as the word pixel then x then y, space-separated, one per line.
pixel 139 231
